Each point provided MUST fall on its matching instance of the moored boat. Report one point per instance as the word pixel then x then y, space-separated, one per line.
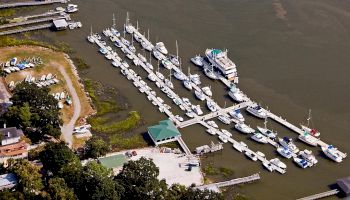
pixel 288 143
pixel 237 115
pixel 258 137
pixel 332 153
pixel 285 152
pixel 200 95
pixel 308 139
pixel 257 111
pixel 197 60
pixel 244 128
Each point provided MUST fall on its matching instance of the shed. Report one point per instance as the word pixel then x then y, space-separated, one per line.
pixel 344 184
pixel 164 132
pixel 60 24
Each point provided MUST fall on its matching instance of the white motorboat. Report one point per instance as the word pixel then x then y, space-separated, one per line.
pixel 177 101
pixel 244 128
pixel 190 114
pixel 179 118
pixel 210 73
pixel 149 65
pixel 301 162
pixel 116 63
pixel 238 147
pixel 141 57
pixel 285 152
pixel 211 131
pixel 288 143
pixel 332 153
pixel 207 91
pixel 125 64
pixel 308 139
pixel 167 64
pixel 180 75
pixel 195 79
pixel 152 77
pixel 115 32
pixel 103 51
pixel 267 132
pixel 258 137
pixel 213 107
pixel 129 28
pixel 161 48
pixel 251 155
pixel 160 75
pixel 200 95
pixel 307 155
pixel 197 60
pixel 91 39
pixel 187 102
pixel 188 84
pixel 278 163
pixel 132 48
pixel 109 56
pixel 197 109
pixel 130 56
pixel 226 132
pixel 71 8
pixel 224 119
pixel 212 124
pixel 236 94
pixel 223 138
pixel 237 115
pixel 137 37
pixel 257 111
pixel 107 32
pixel 269 166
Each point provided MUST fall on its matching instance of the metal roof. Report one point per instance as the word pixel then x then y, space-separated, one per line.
pixel 344 184
pixel 60 23
pixel 166 129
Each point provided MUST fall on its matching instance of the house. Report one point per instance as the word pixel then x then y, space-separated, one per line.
pixel 164 132
pixel 344 184
pixel 11 143
pixel 7 181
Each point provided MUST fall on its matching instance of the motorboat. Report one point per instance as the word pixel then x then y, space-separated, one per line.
pixel 238 147
pixel 195 79
pixel 212 124
pixel 174 60
pixel 236 94
pixel 107 32
pixel 151 77
pixel 288 143
pixel 161 48
pixel 210 73
pixel 197 60
pixel 267 132
pixel 116 63
pixel 242 127
pixel 307 155
pixel 177 101
pixel 332 153
pixel 190 114
pixel 226 132
pixel 167 64
pixel 251 155
pixel 149 65
pixel 146 45
pixel 187 102
pixel 301 162
pixel 278 163
pixel 257 111
pixel 200 95
pixel 180 75
pixel 158 55
pixel 269 166
pixel 71 8
pixel 188 84
pixel 258 137
pixel 130 56
pixel 197 109
pixel 91 39
pixel 109 56
pixel 211 131
pixel 223 138
pixel 137 37
pixel 237 115
pixel 115 32
pixel 308 139
pixel 213 107
pixel 285 152
pixel 179 118
pixel 224 119
pixel 125 64
pixel 207 91
pixel 103 51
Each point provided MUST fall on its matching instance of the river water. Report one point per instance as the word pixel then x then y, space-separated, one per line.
pixel 291 56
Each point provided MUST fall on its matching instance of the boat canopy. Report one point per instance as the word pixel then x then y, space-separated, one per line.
pixel 215 52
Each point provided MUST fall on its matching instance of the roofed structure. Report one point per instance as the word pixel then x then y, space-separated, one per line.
pixel 164 132
pixel 60 24
pixel 344 184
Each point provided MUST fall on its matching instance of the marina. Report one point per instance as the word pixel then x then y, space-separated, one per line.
pixel 31 3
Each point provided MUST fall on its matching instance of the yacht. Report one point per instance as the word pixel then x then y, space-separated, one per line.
pixel 167 64
pixel 212 124
pixel 267 132
pixel 188 84
pixel 195 79
pixel 278 163
pixel 223 138
pixel 308 139
pixel 160 75
pixel 141 57
pixel 158 55
pixel 224 119
pixel 269 166
pixel 219 60
pixel 197 109
pixel 161 48
pixel 174 60
pixel 125 42
pixel 257 111
pixel 285 152
pixel 213 107
pixel 236 94
pixel 244 128
pixel 237 115
pixel 332 153
pixel 197 60
pixel 210 73
pixel 259 138
pixel 211 131
pixel 152 77
pixel 301 162
pixel 207 91
pixel 251 155
pixel 307 155
pixel 288 143
pixel 200 95
pixel 226 132
pixel 179 75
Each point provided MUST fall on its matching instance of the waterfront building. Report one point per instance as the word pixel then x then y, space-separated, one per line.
pixel 164 132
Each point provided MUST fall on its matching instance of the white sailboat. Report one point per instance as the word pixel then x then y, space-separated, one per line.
pixel 266 131
pixel 158 74
pixel 90 37
pixel 128 27
pixel 200 95
pixel 197 60
pixel 308 139
pixel 258 137
pixel 175 59
pixel 307 128
pixel 187 82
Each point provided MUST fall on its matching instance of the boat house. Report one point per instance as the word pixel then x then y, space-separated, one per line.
pixel 344 184
pixel 60 24
pixel 164 132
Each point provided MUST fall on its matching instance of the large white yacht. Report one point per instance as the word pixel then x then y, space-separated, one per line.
pixel 219 59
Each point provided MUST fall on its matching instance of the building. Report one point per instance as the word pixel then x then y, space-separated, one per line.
pixel 344 184
pixel 11 143
pixel 164 132
pixel 7 181
pixel 60 24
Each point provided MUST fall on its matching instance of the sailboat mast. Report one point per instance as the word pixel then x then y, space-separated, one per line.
pixel 113 25
pixel 137 25
pixel 265 123
pixel 177 51
pixel 309 118
pixel 148 34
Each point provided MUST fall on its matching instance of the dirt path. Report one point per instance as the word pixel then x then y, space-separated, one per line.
pixel 4 94
pixel 67 129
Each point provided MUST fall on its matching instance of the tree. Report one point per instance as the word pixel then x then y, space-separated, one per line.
pixel 95 147
pixel 139 179
pixel 29 178
pixel 11 195
pixel 197 194
pixel 58 190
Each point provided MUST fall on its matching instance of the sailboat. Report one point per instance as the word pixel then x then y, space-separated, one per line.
pixel 179 74
pixel 131 47
pixel 160 75
pixel 175 59
pixel 149 64
pixel 168 82
pixel 308 130
pixel 266 131
pixel 129 28
pixel 187 82
pixel 113 29
pixel 90 37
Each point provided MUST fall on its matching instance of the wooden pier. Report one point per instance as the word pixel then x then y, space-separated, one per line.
pixel 321 195
pixel 34 21
pixel 184 146
pixel 31 28
pixel 31 3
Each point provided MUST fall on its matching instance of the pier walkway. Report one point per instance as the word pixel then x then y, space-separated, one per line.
pixel 31 28
pixel 34 21
pixel 184 146
pixel 31 3
pixel 321 195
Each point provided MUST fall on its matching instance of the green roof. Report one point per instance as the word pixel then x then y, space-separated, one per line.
pixel 216 52
pixel 165 129
pixel 113 161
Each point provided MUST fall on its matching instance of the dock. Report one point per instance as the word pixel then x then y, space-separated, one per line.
pixel 184 146
pixel 31 3
pixel 34 21
pixel 321 195
pixel 31 28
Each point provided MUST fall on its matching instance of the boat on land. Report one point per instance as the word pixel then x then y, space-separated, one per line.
pixel 332 153
pixel 200 95
pixel 219 60
pixel 258 137
pixel 207 91
pixel 307 155
pixel 242 127
pixel 212 124
pixel 285 152
pixel 257 111
pixel 197 60
pixel 288 143
pixel 308 139
pixel 237 115
pixel 308 130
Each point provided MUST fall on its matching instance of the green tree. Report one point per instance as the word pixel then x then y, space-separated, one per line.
pixel 95 147
pixel 11 195
pixel 58 190
pixel 29 178
pixel 197 194
pixel 139 179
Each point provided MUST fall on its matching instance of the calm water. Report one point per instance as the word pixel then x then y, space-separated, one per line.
pixel 291 56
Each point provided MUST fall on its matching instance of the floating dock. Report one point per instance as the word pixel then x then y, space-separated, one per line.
pixel 321 195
